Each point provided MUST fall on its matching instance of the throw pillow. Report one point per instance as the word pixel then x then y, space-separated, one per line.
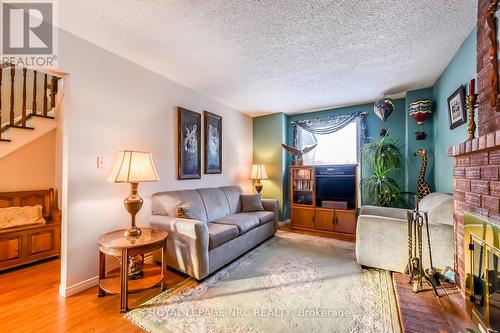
pixel 184 210
pixel 18 216
pixel 251 203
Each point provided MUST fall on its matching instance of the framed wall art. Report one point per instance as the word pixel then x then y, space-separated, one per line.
pixel 213 143
pixel 189 144
pixel 456 108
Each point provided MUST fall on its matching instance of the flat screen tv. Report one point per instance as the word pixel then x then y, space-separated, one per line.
pixel 337 188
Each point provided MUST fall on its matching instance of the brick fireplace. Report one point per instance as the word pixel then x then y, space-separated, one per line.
pixel 477 162
pixel 476 186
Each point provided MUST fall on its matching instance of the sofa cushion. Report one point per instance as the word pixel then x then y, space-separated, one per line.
pixel 243 222
pixel 233 197
pixel 166 203
pixel 439 208
pixel 264 217
pixel 215 202
pixel 251 203
pixel 219 234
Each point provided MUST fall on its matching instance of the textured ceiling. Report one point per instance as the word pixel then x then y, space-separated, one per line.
pixel 281 55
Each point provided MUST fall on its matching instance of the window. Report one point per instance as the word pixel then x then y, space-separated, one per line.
pixel 340 147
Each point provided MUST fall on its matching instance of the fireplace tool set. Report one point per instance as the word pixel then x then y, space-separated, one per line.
pixel 414 269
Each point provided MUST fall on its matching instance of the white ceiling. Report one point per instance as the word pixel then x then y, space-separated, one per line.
pixel 281 55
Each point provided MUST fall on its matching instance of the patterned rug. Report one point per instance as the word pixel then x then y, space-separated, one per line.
pixel 290 283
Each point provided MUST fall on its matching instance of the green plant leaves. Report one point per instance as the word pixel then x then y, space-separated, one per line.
pixel 385 160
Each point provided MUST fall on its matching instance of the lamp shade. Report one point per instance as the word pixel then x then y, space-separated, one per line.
pixel 133 167
pixel 258 172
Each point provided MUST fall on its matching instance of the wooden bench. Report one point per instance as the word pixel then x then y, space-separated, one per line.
pixel 30 243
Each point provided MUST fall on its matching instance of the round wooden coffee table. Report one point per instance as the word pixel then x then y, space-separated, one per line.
pixel 117 245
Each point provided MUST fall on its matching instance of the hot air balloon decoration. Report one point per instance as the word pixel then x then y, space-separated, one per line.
pixel 420 110
pixel 383 109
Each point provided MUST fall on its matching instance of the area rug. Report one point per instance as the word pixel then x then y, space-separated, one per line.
pixel 290 283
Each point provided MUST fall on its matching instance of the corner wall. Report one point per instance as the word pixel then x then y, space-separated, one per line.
pixel 31 167
pixel 111 104
pixel 268 134
pixel 459 71
pixel 412 145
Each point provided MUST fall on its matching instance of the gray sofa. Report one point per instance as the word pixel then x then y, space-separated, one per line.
pixel 217 233
pixel 382 234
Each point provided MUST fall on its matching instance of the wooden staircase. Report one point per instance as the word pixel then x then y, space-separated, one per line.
pixel 29 102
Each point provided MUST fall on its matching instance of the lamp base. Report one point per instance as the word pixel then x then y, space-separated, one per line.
pixel 258 187
pixel 133 204
pixel 133 232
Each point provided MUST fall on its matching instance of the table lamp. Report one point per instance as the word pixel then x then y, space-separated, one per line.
pixel 133 167
pixel 258 173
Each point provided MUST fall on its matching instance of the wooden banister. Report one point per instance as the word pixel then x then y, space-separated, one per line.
pixel 45 97
pixel 33 107
pixel 53 91
pixel 23 121
pixel 12 78
pixel 19 113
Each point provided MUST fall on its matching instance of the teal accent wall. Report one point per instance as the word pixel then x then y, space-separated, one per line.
pixel 412 145
pixel 268 134
pixel 460 70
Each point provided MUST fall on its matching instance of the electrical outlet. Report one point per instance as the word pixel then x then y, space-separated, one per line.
pixel 101 163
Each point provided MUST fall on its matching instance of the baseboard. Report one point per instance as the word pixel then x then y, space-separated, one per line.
pixel 93 281
pixel 79 287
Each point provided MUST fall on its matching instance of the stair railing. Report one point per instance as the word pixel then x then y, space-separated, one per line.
pixel 49 103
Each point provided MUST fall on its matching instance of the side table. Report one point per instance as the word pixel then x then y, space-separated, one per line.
pixel 117 245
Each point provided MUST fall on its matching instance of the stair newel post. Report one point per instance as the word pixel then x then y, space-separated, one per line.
pixel 24 98
pixel 45 97
pixel 12 78
pixel 33 108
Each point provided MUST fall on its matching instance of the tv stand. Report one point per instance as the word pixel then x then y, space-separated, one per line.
pixel 307 216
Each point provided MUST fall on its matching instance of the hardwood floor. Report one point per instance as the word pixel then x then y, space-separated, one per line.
pixel 30 302
pixel 424 312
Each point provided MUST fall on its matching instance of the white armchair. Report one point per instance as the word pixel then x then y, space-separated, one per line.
pixel 382 234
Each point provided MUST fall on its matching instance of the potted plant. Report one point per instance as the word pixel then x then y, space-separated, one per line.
pixel 385 161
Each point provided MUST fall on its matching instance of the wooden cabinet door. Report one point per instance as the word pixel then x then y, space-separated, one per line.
pixel 303 217
pixel 324 219
pixel 10 248
pixel 345 221
pixel 42 241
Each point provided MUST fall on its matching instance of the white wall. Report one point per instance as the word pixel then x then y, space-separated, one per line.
pixel 111 104
pixel 31 167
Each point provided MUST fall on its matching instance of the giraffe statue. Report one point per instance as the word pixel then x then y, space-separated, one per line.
pixel 422 187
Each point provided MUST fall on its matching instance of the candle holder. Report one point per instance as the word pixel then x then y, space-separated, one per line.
pixel 471 106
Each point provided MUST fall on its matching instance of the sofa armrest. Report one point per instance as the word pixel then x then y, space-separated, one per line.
pixel 187 244
pixel 271 205
pixel 382 242
pixel 395 213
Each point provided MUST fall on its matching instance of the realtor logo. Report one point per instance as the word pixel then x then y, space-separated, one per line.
pixel 27 28
pixel 28 32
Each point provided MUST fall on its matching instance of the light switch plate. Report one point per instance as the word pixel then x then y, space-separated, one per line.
pixel 101 163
